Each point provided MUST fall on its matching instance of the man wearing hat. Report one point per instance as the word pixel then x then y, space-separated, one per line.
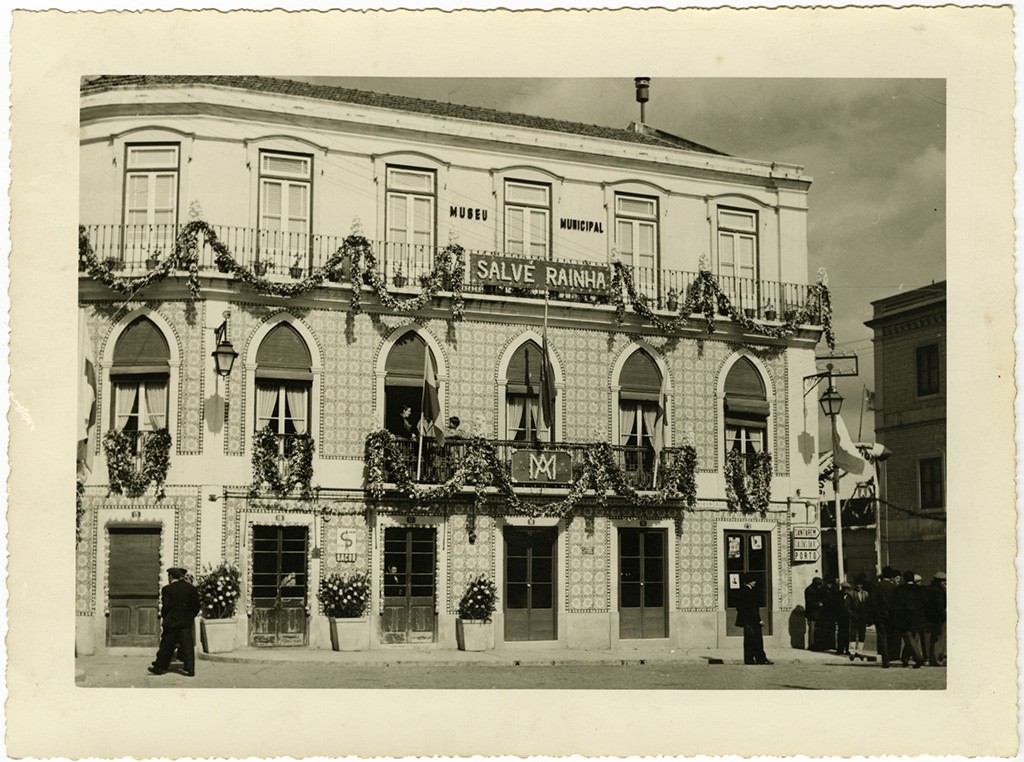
pixel 179 606
pixel 881 605
pixel 935 616
pixel 748 616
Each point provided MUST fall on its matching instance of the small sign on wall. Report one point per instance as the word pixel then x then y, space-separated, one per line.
pixel 734 581
pixel 755 542
pixel 345 558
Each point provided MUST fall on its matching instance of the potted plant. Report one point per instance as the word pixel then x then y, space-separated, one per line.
pixel 345 600
pixel 113 264
pixel 219 590
pixel 672 299
pixel 260 268
pixel 474 629
pixel 153 260
pixel 399 278
pixel 296 269
pixel 769 311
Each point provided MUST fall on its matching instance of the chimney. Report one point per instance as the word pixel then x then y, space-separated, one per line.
pixel 643 88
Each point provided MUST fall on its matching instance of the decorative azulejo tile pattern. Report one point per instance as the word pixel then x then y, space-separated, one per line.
pixel 587 566
pixel 697 574
pixel 345 534
pixel 466 560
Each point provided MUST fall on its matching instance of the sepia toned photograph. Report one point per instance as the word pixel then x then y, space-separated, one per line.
pixel 579 387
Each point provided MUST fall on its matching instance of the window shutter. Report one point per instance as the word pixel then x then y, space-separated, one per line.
pixel 283 355
pixel 141 349
pixel 523 374
pixel 405 361
pixel 744 394
pixel 640 378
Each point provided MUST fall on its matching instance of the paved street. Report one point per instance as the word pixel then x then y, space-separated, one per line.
pixel 829 672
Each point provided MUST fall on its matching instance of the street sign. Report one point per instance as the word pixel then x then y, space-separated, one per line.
pixel 805 543
pixel 806 531
pixel 541 466
pixel 802 556
pixel 837 365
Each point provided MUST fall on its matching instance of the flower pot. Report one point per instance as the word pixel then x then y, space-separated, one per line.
pixel 152 263
pixel 350 634
pixel 223 266
pixel 770 315
pixel 217 635
pixel 259 268
pixel 295 272
pixel 473 634
pixel 673 305
pixel 400 281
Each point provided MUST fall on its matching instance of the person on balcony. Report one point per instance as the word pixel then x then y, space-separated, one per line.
pixel 454 432
pixel 407 423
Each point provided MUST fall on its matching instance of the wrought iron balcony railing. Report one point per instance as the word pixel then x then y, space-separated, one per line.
pixel 133 250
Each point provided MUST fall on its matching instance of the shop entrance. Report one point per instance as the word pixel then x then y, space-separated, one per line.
pixel 747 552
pixel 530 591
pixel 278 586
pixel 642 594
pixel 134 579
pixel 409 584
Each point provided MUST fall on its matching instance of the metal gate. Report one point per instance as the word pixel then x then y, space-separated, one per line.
pixel 642 593
pixel 134 587
pixel 530 591
pixel 278 586
pixel 409 585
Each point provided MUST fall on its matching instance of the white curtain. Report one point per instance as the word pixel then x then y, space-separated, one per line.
pixel 297 407
pixel 543 435
pixel 650 414
pixel 156 406
pixel 627 421
pixel 125 395
pixel 515 413
pixel 266 398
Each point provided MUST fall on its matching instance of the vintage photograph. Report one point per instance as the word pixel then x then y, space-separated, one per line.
pixel 526 379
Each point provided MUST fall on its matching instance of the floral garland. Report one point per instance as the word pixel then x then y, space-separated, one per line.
pixel 182 258
pixel 156 460
pixel 705 297
pixel 748 481
pixel 481 468
pixel 79 509
pixel 299 452
pixel 448 266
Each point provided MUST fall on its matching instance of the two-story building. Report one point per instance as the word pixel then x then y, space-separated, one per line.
pixel 622 320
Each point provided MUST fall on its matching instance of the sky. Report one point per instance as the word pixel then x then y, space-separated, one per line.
pixel 875 149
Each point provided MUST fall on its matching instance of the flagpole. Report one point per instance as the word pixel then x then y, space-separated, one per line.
pixel 863 399
pixel 544 368
pixel 423 404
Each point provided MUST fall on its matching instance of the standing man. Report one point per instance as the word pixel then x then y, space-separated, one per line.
pixel 748 616
pixel 908 618
pixel 881 605
pixel 935 616
pixel 814 602
pixel 179 606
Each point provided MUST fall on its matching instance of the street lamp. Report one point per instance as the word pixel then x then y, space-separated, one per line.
pixel 224 355
pixel 831 403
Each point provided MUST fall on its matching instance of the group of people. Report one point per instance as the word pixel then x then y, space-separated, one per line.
pixel 909 617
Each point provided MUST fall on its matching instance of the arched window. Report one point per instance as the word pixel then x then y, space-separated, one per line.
pixel 746 409
pixel 139 375
pixel 403 384
pixel 641 415
pixel 523 418
pixel 284 380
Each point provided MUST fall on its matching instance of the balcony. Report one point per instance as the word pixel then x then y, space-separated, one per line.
pixel 440 462
pixel 134 250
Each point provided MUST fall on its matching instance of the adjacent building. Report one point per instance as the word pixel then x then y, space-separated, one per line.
pixel 621 320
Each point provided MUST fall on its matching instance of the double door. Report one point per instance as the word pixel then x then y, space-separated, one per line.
pixel 279 582
pixel 530 592
pixel 747 553
pixel 409 585
pixel 643 612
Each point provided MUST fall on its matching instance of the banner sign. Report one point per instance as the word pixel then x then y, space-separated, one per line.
pixel 515 272
pixel 541 466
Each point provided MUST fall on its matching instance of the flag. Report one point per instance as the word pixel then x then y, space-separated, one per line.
pixel 845 455
pixel 86 397
pixel 547 383
pixel 658 439
pixel 430 417
pixel 869 398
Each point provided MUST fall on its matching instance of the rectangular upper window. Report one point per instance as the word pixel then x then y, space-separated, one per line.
pixel 286 190
pixel 636 233
pixel 931 483
pixel 927 362
pixel 285 165
pixel 150 200
pixel 411 217
pixel 737 244
pixel 527 219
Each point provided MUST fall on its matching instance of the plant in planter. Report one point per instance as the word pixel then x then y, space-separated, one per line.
pixel 672 299
pixel 153 260
pixel 113 264
pixel 399 278
pixel 219 591
pixel 769 310
pixel 296 268
pixel 474 627
pixel 345 600
pixel 260 268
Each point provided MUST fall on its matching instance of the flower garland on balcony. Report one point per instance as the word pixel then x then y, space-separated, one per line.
pixel 181 258
pixel 481 468
pixel 705 297
pixel 748 481
pixel 299 453
pixel 449 266
pixel 156 460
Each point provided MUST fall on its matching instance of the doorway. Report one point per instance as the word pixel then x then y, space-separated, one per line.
pixel 279 584
pixel 530 590
pixel 747 552
pixel 134 579
pixel 642 591
pixel 409 585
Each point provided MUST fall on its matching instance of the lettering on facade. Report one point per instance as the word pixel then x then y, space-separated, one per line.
pixel 587 551
pixel 543 463
pixel 541 467
pixel 805 532
pixel 583 226
pixel 345 558
pixel 516 272
pixel 802 556
pixel 468 213
pixel 345 538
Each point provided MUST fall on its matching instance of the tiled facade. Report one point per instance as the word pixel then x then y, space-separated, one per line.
pixel 208 514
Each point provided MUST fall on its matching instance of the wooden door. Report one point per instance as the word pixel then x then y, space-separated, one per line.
pixel 409 585
pixel 530 583
pixel 279 556
pixel 747 552
pixel 134 580
pixel 643 612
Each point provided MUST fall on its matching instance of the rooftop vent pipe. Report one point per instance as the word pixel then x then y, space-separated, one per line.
pixel 643 94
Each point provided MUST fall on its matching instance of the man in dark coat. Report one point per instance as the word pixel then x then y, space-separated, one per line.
pixel 814 601
pixel 908 618
pixel 748 616
pixel 935 616
pixel 179 606
pixel 881 614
